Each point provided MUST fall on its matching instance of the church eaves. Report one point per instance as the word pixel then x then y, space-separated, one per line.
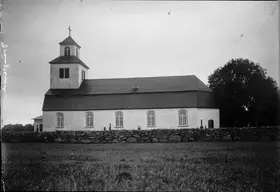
pixel 39 117
pixel 68 60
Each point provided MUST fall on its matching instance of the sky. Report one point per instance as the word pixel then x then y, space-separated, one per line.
pixel 131 39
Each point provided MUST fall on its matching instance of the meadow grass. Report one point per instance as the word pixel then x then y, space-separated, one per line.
pixel 197 166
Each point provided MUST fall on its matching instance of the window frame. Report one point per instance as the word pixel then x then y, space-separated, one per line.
pixel 83 74
pixel 64 73
pixel 89 119
pixel 59 120
pixel 77 52
pixel 182 119
pixel 119 119
pixel 151 118
pixel 67 51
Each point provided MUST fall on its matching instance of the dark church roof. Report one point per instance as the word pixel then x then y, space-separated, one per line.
pixel 116 94
pixel 129 101
pixel 69 41
pixel 125 85
pixel 68 60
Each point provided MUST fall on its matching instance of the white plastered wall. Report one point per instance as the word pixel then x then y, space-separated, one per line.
pixel 207 114
pixel 37 123
pixel 80 68
pixel 71 83
pixel 165 119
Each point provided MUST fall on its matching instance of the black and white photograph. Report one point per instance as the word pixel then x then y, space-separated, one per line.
pixel 125 95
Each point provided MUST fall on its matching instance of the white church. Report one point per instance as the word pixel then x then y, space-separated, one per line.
pixel 75 102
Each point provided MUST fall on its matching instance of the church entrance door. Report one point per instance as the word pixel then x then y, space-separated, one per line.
pixel 211 123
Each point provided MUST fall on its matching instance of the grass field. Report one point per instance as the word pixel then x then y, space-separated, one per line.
pixel 197 166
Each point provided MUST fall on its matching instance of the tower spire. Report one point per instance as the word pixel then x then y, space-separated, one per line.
pixel 69 30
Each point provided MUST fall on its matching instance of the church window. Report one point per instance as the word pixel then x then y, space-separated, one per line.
pixel 183 118
pixel 151 118
pixel 119 119
pixel 63 73
pixel 89 119
pixel 66 72
pixel 60 120
pixel 83 74
pixel 67 51
pixel 77 52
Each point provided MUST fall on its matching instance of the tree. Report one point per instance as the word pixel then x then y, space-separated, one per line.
pixel 244 94
pixel 18 127
pixel 29 127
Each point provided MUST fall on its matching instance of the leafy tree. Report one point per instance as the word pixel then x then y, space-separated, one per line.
pixel 18 127
pixel 29 127
pixel 244 94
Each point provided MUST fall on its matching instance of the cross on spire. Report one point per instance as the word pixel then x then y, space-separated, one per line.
pixel 69 30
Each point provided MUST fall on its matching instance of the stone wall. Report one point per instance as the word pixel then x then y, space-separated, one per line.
pixel 147 136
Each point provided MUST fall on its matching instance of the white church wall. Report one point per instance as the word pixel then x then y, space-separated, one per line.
pixel 72 82
pixel 164 118
pixel 77 54
pixel 37 123
pixel 208 114
pixel 72 50
pixel 49 121
pixel 80 68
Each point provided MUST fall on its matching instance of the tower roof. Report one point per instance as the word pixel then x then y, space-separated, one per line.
pixel 68 60
pixel 69 41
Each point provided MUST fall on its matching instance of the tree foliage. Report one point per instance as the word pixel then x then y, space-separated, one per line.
pixel 244 94
pixel 18 127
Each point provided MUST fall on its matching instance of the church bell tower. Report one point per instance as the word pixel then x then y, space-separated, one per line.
pixel 67 70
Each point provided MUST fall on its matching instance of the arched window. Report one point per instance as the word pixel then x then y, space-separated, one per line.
pixel 77 52
pixel 89 119
pixel 119 119
pixel 67 51
pixel 60 120
pixel 183 118
pixel 151 119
